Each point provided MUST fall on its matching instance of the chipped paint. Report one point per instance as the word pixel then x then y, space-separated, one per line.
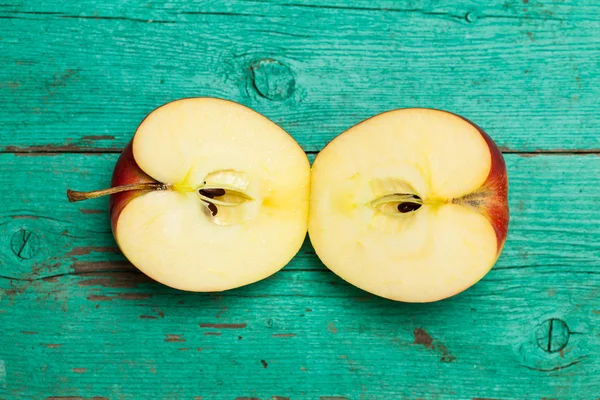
pixel 117 280
pixel 86 267
pixel 51 148
pixel 174 338
pixel 79 251
pixel 331 328
pixel 25 217
pixel 223 326
pixel 423 338
pixel 122 296
pixel 90 211
pixel 100 298
pixel 99 137
pixel 283 335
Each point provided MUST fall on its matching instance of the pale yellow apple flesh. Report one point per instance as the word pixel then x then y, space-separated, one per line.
pixel 173 236
pixel 441 164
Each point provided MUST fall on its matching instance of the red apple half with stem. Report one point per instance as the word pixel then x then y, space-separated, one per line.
pixel 208 196
pixel 410 205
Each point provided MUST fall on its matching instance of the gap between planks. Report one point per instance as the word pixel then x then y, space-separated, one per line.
pixel 58 151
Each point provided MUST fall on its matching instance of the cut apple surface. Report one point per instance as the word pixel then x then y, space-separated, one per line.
pixel 410 205
pixel 231 202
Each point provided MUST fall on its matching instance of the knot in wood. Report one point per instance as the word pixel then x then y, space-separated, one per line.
pixel 272 79
pixel 553 335
pixel 470 17
pixel 25 244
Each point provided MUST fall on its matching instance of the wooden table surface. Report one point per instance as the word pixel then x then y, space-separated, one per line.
pixel 77 321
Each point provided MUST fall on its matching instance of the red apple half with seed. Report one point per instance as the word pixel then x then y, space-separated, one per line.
pixel 208 196
pixel 410 205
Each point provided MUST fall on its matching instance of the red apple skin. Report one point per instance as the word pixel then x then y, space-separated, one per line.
pixel 494 191
pixel 126 171
pixel 496 204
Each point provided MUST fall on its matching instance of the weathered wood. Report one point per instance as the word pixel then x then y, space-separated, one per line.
pixel 79 321
pixel 80 76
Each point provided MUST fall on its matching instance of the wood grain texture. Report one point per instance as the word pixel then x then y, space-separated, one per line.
pixel 79 321
pixel 80 76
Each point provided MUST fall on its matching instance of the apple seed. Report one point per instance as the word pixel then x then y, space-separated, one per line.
pixel 213 209
pixel 212 193
pixel 405 207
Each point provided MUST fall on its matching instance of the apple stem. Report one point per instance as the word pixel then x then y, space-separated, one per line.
pixel 74 195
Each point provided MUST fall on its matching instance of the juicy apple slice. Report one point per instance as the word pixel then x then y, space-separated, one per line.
pixel 219 200
pixel 410 205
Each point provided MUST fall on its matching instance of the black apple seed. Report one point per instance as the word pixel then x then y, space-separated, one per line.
pixel 213 209
pixel 211 193
pixel 408 207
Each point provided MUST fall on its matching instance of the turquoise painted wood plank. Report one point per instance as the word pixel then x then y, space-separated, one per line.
pixel 78 321
pixel 151 342
pixel 81 75
pixel 545 232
